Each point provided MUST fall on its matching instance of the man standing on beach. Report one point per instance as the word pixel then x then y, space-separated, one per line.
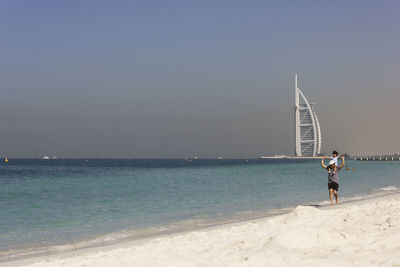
pixel 333 177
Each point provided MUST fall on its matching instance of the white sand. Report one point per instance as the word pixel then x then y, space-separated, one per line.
pixel 365 233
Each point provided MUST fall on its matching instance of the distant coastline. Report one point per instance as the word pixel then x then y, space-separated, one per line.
pixel 289 157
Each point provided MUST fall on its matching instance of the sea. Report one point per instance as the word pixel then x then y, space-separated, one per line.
pixel 48 206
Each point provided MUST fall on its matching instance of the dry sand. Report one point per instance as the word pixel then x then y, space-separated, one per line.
pixel 363 233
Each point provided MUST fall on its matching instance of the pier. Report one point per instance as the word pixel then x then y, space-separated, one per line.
pixel 377 158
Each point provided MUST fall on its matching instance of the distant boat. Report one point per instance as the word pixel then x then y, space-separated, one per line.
pixel 46 157
pixel 220 157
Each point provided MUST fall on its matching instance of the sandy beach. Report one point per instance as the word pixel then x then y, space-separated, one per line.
pixel 362 233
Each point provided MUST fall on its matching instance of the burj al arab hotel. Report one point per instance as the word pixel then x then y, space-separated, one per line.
pixel 307 131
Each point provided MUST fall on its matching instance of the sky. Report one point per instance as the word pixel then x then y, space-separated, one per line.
pixel 175 79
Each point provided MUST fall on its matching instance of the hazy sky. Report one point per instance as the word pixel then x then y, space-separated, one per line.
pixel 179 78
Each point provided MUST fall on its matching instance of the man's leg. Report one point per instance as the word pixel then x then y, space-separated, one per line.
pixel 336 196
pixel 330 195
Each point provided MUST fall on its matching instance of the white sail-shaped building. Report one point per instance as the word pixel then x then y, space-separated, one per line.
pixel 306 126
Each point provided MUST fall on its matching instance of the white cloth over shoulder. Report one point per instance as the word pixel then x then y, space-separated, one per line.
pixel 335 159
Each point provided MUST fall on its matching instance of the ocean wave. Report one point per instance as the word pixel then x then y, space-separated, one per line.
pixel 388 188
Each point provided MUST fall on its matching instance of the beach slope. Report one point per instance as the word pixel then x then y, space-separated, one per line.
pixel 362 233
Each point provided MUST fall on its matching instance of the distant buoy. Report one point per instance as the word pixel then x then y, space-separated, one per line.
pixel 6 160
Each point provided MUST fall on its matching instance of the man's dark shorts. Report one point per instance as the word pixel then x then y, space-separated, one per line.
pixel 333 185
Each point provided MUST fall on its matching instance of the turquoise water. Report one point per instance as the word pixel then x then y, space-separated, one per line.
pixel 54 202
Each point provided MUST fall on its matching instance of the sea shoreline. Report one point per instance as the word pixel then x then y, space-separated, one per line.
pixel 166 230
pixel 107 204
pixel 142 234
pixel 196 237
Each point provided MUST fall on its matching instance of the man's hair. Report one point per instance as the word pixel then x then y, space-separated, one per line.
pixel 335 152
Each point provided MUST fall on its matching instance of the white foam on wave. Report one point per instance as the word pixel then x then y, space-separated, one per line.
pixel 388 188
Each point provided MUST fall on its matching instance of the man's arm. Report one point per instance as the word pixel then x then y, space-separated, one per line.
pixel 341 166
pixel 322 163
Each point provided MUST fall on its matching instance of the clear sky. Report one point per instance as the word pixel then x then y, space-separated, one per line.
pixel 212 78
